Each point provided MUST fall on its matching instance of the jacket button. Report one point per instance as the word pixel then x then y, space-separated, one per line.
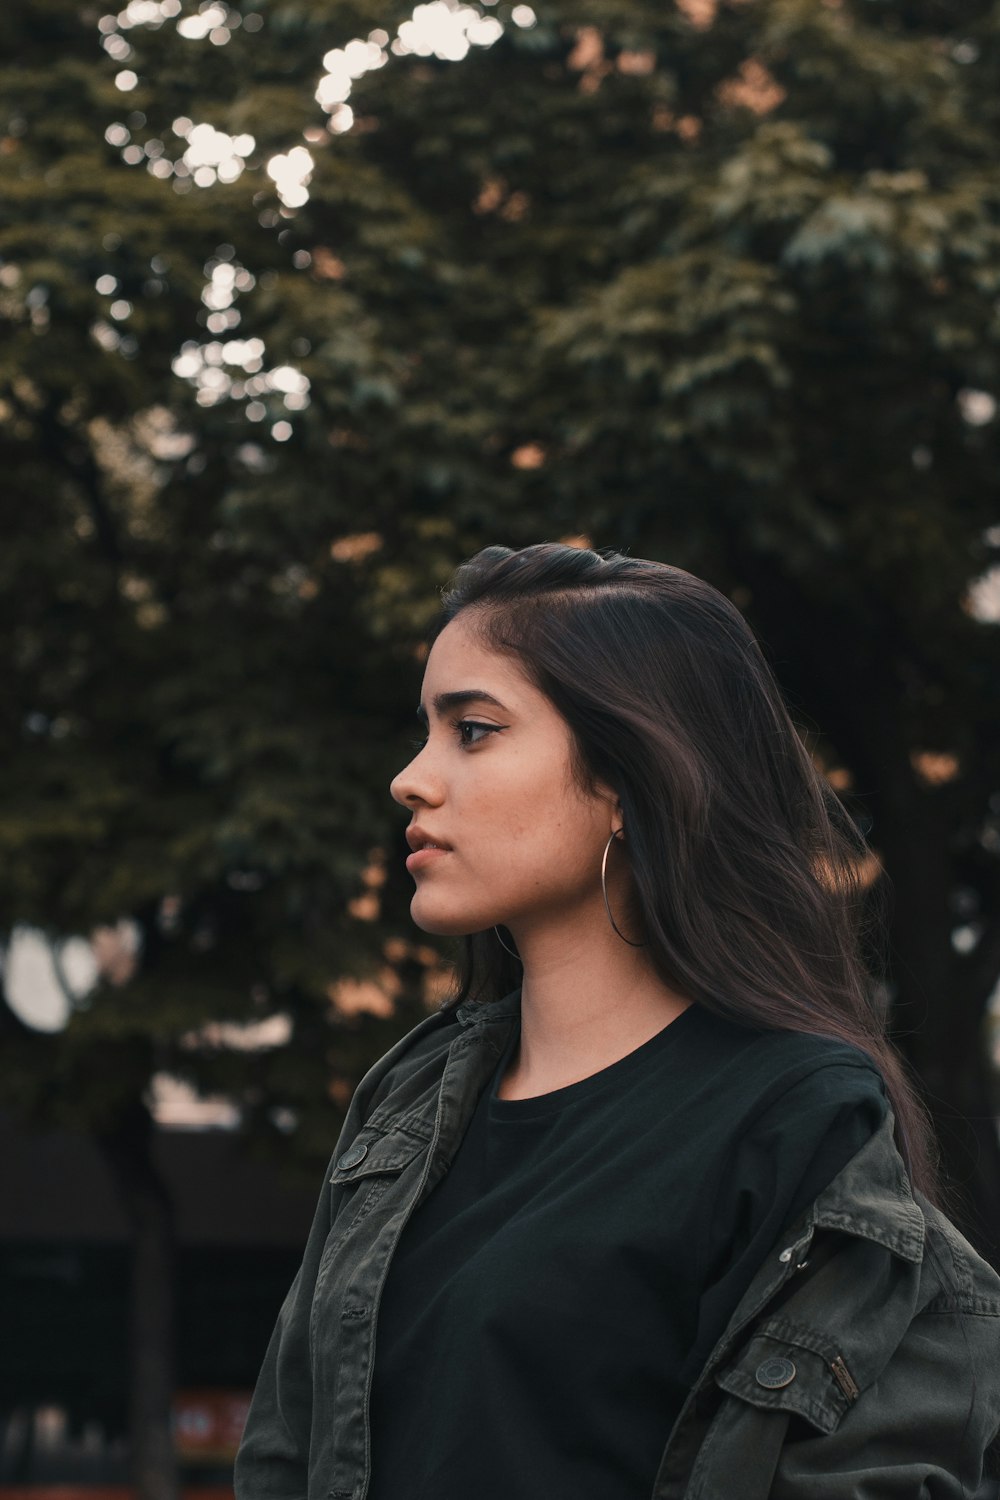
pixel 774 1373
pixel 352 1156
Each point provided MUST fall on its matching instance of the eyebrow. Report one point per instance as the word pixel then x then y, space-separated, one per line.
pixel 444 701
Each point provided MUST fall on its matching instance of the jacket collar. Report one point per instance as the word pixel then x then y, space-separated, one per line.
pixel 871 1197
pixel 472 1013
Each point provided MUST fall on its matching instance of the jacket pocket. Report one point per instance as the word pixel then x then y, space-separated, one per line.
pixel 788 1367
pixel 783 1371
pixel 373 1152
pixel 362 1176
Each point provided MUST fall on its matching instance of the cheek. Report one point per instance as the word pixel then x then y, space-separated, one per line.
pixel 511 813
pixel 540 841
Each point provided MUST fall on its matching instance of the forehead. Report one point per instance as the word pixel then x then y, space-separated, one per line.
pixel 459 659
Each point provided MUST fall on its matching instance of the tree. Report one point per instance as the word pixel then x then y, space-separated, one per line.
pixel 197 733
pixel 715 283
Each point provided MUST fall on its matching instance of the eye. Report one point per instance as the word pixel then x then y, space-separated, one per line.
pixel 460 726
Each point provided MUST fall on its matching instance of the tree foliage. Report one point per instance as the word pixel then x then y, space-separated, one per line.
pixel 714 283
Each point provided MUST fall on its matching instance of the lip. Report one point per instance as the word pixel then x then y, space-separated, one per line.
pixel 417 837
pixel 421 857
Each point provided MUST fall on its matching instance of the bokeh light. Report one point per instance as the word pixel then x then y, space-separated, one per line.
pixel 442 29
pixel 290 172
pixel 977 407
pixel 211 155
pixel 233 368
pixel 213 18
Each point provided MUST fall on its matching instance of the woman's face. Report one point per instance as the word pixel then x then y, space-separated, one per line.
pixel 493 783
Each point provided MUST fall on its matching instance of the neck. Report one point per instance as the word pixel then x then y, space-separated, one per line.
pixel 587 999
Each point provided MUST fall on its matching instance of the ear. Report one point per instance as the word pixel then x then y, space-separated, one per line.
pixel 603 790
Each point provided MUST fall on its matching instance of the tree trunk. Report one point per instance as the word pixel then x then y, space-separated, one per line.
pixel 127 1147
pixel 939 1021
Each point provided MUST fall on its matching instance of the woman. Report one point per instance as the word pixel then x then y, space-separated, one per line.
pixel 646 1208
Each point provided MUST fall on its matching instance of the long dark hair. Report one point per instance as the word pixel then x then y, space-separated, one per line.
pixel 749 873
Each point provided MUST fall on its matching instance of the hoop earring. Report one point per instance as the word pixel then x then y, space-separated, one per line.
pixel 604 888
pixel 504 945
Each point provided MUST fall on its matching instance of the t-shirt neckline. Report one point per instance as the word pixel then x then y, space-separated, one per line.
pixel 615 1074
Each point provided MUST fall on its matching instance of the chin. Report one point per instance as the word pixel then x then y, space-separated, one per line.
pixel 446 924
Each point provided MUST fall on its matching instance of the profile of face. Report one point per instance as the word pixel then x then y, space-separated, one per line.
pixel 493 784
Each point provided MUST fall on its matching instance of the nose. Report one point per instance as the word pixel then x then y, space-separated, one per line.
pixel 415 783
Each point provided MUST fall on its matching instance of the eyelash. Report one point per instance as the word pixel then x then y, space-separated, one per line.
pixel 458 725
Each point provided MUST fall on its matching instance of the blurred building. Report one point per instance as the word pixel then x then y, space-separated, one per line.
pixel 64 1287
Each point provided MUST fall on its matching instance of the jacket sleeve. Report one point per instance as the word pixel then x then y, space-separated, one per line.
pixel 273 1457
pixel 272 1462
pixel 922 1430
pixel 794 1424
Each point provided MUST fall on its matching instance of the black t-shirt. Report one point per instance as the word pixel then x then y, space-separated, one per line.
pixel 552 1300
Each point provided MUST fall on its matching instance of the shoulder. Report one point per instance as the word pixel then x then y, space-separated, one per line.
pixel 804 1071
pixel 759 1072
pixel 819 1100
pixel 807 1105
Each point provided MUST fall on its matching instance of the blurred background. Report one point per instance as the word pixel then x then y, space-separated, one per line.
pixel 301 303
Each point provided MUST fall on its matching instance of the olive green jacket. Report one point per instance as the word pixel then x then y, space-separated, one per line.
pixel 863 1362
